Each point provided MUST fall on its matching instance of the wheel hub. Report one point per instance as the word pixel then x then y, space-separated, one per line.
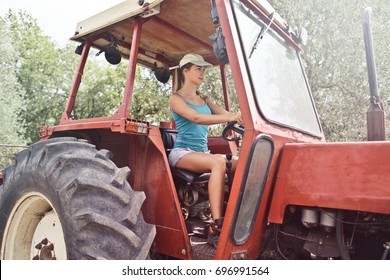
pixel 33 231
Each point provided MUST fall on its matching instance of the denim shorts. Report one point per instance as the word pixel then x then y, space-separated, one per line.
pixel 176 154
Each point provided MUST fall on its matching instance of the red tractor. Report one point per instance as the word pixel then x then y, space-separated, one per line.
pixel 102 188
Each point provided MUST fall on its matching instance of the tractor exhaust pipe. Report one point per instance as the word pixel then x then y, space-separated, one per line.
pixel 376 130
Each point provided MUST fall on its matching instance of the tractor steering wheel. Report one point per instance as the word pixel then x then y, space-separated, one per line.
pixel 235 127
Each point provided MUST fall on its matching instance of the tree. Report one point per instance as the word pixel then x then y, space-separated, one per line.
pixel 11 101
pixel 335 60
pixel 43 71
pixel 46 74
pixel 11 93
pixel 150 97
pixel 101 90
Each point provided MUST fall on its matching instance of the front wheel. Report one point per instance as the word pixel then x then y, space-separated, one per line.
pixel 63 199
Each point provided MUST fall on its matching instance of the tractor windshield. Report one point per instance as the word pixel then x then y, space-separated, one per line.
pixel 278 79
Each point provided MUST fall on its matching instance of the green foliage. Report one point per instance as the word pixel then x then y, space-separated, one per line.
pixel 150 98
pixel 44 72
pixel 8 153
pixel 101 90
pixel 11 93
pixel 335 60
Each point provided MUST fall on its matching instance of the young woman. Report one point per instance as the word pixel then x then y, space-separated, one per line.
pixel 193 113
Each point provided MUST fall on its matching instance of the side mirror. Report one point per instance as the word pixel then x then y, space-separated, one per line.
pixel 219 46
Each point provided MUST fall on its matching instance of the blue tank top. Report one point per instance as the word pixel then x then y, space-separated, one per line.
pixel 192 135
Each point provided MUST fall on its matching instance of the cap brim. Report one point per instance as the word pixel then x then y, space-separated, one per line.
pixel 201 63
pixel 195 62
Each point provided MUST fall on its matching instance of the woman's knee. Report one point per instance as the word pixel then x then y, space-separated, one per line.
pixel 219 162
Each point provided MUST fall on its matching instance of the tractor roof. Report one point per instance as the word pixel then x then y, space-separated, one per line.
pixel 171 28
pixel 177 27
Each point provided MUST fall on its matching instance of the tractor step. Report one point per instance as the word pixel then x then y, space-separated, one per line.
pixel 201 250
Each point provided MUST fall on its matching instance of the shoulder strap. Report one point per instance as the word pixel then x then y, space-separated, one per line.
pixel 182 97
pixel 188 102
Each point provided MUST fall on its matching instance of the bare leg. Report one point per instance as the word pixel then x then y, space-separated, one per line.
pixel 216 165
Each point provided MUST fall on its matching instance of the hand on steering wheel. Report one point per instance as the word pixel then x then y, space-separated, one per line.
pixel 235 127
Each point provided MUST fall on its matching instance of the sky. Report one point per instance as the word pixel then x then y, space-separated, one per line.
pixel 58 19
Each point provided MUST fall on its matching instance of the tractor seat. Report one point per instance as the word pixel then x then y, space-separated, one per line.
pixel 169 136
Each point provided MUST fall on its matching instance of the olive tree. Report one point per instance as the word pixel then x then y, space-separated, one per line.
pixel 335 60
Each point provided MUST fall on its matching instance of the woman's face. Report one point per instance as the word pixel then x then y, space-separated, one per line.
pixel 195 74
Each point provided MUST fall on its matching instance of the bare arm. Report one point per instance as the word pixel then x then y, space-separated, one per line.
pixel 219 115
pixel 217 110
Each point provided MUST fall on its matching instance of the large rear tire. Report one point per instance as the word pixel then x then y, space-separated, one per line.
pixel 63 199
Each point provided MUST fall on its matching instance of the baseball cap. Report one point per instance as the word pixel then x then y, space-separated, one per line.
pixel 194 59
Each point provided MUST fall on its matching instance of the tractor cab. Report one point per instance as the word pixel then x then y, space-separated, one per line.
pixel 106 180
pixel 261 75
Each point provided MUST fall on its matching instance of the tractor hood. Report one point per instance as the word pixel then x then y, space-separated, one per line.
pixel 350 176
